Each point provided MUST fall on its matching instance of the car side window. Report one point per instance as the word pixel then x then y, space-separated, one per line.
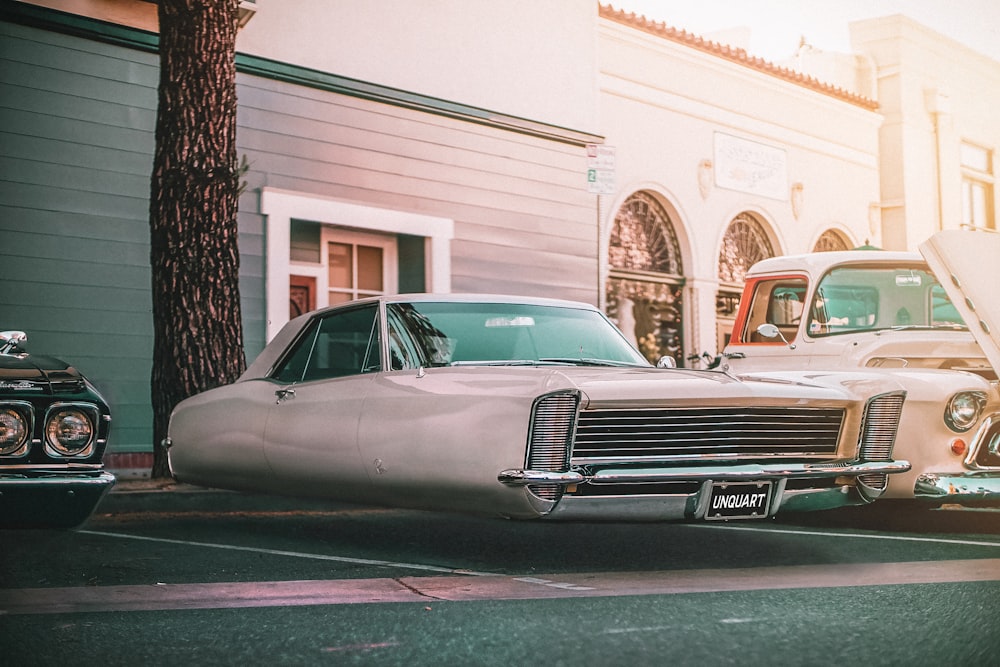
pixel 403 354
pixel 340 344
pixel 780 302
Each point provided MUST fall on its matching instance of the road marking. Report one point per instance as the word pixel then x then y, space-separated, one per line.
pixel 553 584
pixel 90 599
pixel 295 554
pixel 867 536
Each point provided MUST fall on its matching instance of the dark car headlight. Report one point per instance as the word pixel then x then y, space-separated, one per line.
pixel 70 430
pixel 963 410
pixel 15 429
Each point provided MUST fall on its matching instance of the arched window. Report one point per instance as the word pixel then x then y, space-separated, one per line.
pixel 830 241
pixel 643 238
pixel 645 279
pixel 744 244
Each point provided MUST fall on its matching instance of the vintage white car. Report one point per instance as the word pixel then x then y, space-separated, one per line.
pixel 528 408
pixel 902 314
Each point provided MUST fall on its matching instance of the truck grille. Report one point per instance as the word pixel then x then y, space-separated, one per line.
pixel 728 432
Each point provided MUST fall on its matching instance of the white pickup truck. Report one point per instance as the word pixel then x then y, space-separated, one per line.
pixel 931 319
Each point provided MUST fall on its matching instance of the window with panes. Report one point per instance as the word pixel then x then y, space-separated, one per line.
pixel 977 186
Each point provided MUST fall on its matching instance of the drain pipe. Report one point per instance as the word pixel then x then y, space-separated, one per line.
pixel 938 103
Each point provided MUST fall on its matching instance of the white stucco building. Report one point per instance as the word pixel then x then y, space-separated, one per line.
pixel 561 149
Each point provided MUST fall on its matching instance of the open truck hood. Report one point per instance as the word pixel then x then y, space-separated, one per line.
pixel 965 262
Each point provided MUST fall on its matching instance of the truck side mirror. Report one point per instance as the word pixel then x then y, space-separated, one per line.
pixel 769 330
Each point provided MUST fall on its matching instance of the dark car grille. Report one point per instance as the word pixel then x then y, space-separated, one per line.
pixel 665 433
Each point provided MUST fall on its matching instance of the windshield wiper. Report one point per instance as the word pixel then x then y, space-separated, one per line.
pixel 584 361
pixel 494 362
pixel 566 361
pixel 951 326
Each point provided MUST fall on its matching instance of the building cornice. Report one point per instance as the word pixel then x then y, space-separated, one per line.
pixel 732 54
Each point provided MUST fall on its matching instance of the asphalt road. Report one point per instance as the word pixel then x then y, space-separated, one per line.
pixel 191 577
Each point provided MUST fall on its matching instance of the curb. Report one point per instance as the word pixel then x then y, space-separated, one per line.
pixel 166 495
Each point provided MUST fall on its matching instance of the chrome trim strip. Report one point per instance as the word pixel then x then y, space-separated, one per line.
pixel 51 478
pixel 688 458
pixel 523 477
pixel 702 473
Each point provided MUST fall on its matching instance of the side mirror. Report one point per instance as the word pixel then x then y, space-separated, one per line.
pixel 666 362
pixel 769 330
pixel 10 341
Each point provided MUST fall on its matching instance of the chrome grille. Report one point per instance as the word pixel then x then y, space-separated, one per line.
pixel 664 433
pixel 987 447
pixel 878 430
pixel 548 443
pixel 876 481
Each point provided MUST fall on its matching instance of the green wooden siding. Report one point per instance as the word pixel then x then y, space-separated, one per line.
pixel 77 116
pixel 76 146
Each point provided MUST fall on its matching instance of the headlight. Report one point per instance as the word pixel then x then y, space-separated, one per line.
pixel 963 410
pixel 14 431
pixel 69 430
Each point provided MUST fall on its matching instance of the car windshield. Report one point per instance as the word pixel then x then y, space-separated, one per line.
pixel 456 333
pixel 865 298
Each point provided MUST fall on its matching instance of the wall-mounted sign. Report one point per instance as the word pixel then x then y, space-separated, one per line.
pixel 751 167
pixel 600 169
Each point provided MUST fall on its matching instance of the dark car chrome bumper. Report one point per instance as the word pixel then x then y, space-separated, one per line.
pixel 49 498
pixel 976 487
pixel 680 506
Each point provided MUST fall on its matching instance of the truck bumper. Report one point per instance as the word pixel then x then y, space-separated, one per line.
pixel 973 487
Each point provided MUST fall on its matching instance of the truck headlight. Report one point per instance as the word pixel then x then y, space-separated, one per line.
pixel 70 430
pixel 963 410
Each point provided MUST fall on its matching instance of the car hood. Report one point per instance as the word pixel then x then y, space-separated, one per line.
pixel 964 262
pixel 27 372
pixel 679 386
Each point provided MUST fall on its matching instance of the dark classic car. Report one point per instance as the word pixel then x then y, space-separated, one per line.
pixel 529 408
pixel 53 431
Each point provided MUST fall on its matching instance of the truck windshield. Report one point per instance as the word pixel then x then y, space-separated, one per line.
pixel 864 298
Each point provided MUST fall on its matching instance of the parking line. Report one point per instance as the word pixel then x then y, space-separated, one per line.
pixel 296 554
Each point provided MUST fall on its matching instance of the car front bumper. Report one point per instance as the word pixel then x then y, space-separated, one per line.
pixel 973 487
pixel 849 489
pixel 51 499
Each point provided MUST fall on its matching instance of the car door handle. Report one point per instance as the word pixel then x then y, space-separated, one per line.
pixel 282 394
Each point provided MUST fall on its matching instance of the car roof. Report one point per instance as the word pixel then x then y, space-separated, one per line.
pixel 269 355
pixel 815 263
pixel 462 298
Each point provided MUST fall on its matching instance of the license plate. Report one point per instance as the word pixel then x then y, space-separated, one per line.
pixel 739 500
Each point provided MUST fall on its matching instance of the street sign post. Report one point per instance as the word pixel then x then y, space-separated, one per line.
pixel 600 169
